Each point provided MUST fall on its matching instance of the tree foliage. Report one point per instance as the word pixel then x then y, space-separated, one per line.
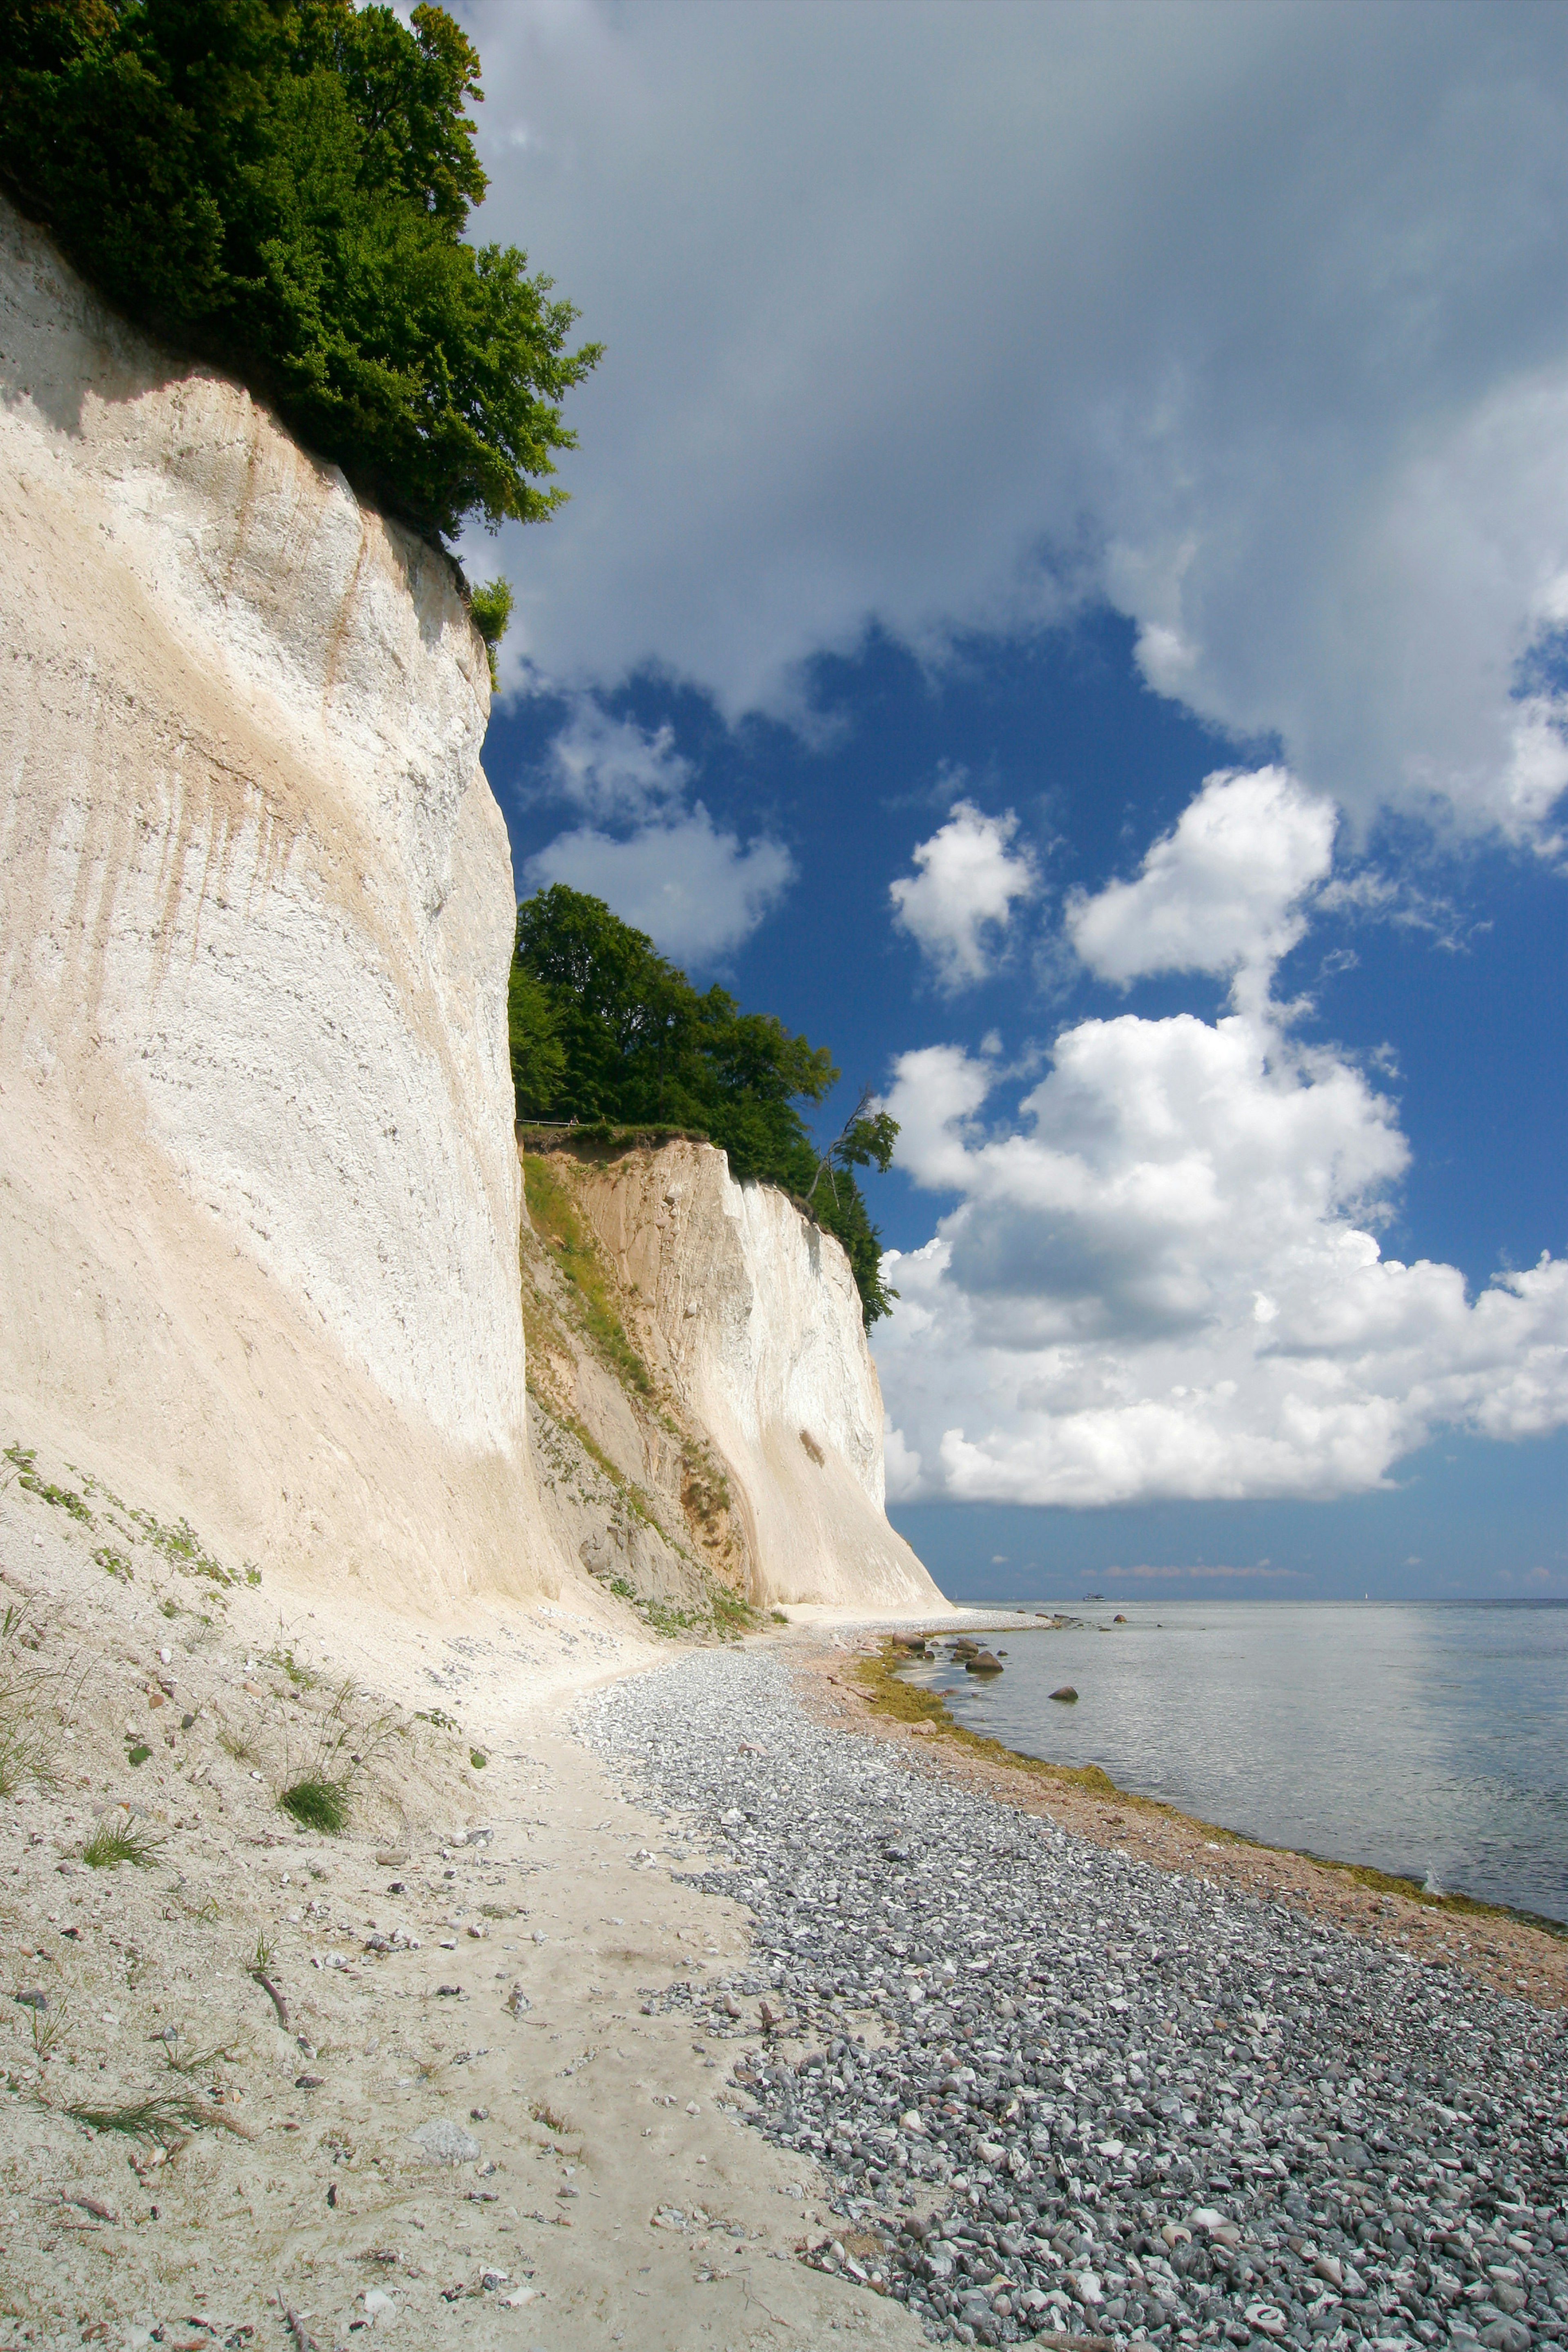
pixel 280 187
pixel 603 1028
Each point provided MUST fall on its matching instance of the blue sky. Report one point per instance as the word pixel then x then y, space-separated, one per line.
pixel 1064 599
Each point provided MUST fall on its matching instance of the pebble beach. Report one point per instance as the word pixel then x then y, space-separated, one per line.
pixel 1059 2090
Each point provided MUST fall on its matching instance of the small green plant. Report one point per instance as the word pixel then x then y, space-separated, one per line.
pixel 138 1755
pixel 663 1617
pixel 26 1737
pixel 478 1759
pixel 252 1573
pixel 200 2064
pixel 436 1717
pixel 489 606
pixel 303 1677
pixel 162 2120
pixel 319 1797
pixel 207 1912
pixel 237 1744
pixel 113 1842
pixel 167 1608
pixel 261 1959
pixel 318 1805
pixel 181 1547
pixel 46 2018
pixel 64 1498
pixel 113 1563
pixel 778 1616
pixel 733 1613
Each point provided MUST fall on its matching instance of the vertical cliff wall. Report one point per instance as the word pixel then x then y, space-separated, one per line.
pixel 259 1191
pixel 747 1315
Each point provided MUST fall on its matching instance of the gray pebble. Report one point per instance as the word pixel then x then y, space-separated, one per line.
pixel 1146 2107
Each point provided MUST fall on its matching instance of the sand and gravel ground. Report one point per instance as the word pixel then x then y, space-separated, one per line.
pixel 221 2063
pixel 275 2167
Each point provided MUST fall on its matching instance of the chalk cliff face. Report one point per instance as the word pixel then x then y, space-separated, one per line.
pixel 748 1313
pixel 258 1192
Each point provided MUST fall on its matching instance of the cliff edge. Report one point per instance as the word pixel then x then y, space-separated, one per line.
pixel 707 1342
pixel 258 1192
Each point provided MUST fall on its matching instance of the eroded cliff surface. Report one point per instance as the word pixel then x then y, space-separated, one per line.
pixel 739 1410
pixel 259 1191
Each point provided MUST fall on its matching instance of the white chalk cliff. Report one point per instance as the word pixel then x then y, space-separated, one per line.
pixel 259 1193
pixel 260 1190
pixel 750 1312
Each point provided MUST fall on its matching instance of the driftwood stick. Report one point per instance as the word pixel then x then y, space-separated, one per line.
pixel 296 2326
pixel 273 1995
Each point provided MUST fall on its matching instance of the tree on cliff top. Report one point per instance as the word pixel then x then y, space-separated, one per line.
pixel 603 1028
pixel 280 187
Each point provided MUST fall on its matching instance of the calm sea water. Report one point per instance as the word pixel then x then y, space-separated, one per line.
pixel 1425 1739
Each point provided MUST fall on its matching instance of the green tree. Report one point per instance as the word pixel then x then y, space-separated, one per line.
pixel 605 1028
pixel 280 187
pixel 538 1056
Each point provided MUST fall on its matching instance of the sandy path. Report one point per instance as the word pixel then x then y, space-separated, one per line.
pixel 611 2193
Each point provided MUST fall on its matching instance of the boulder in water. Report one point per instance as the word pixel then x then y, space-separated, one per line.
pixel 1066 1694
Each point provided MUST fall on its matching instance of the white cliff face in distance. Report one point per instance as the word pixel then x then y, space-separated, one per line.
pixel 259 1191
pixel 751 1312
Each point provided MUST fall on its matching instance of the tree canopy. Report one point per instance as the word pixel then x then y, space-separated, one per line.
pixel 280 187
pixel 603 1027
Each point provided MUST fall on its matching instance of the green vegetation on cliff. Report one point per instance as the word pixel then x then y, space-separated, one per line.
pixel 604 1029
pixel 280 187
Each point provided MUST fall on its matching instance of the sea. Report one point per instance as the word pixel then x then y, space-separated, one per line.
pixel 1428 1739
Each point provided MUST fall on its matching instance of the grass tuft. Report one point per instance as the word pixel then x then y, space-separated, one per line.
pixel 26 1713
pixel 162 2119
pixel 113 1842
pixel 318 1805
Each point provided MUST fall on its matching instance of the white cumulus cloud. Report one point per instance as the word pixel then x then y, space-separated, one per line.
pixel 957 906
pixel 1223 891
pixel 666 866
pixel 614 768
pixel 1162 1278
pixel 689 883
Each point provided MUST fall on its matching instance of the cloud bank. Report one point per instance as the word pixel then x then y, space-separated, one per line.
pixel 1247 320
pixel 1162 1278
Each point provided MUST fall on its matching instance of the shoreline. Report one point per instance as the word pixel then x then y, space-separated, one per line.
pixel 1061 2088
pixel 1512 1950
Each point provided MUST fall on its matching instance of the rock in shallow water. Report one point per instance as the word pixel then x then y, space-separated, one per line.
pixel 1146 2107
